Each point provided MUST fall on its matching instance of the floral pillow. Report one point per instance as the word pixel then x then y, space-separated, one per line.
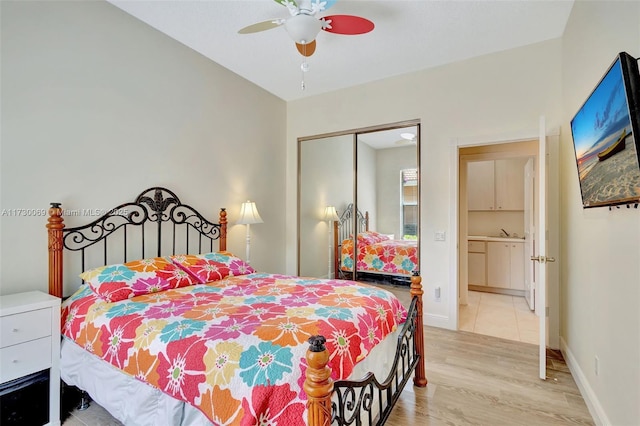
pixel 126 280
pixel 371 237
pixel 212 266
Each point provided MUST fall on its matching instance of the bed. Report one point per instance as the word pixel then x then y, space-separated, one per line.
pixel 379 256
pixel 165 337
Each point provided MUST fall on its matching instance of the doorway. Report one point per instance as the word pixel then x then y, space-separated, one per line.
pixel 496 235
pixel 548 208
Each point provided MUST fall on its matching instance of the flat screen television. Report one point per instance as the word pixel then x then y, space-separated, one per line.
pixel 606 137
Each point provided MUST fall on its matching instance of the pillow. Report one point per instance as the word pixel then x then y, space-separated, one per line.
pixel 371 237
pixel 212 266
pixel 126 280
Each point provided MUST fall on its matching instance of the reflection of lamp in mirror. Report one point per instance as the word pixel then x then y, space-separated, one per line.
pixel 249 215
pixel 330 215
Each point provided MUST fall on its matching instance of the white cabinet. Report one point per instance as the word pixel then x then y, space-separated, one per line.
pixel 505 264
pixel 480 185
pixel 509 183
pixel 496 185
pixel 30 341
pixel 477 261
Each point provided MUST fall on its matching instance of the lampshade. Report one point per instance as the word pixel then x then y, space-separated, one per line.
pixel 330 213
pixel 249 214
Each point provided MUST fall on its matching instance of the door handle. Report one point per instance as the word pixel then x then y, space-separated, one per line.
pixel 543 259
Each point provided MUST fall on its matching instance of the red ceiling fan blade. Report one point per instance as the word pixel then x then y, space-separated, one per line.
pixel 347 24
pixel 306 49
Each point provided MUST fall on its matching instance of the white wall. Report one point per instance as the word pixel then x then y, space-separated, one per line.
pixel 367 189
pixel 600 293
pixel 97 106
pixel 391 162
pixel 495 94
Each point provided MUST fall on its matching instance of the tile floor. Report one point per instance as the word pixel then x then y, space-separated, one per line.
pixel 95 415
pixel 499 315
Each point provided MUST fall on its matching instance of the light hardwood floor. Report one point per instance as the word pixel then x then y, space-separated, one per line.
pixel 474 379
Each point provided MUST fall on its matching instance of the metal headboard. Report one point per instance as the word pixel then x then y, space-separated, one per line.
pixel 343 229
pixel 156 208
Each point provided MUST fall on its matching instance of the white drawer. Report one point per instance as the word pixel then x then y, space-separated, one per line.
pixel 25 358
pixel 476 247
pixel 25 326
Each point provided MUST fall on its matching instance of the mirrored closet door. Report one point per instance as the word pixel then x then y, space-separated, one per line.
pixel 360 183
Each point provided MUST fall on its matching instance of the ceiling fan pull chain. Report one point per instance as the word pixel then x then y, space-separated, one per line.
pixel 304 67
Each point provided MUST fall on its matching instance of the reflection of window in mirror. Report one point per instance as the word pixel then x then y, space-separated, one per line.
pixel 409 204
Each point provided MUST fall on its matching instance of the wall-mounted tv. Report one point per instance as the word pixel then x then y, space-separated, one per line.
pixel 606 137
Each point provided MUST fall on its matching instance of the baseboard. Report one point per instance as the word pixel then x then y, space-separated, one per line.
pixel 590 398
pixel 439 321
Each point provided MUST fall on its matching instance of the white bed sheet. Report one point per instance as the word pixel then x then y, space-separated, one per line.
pixel 135 403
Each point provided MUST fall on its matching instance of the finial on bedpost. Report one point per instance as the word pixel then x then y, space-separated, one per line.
pixel 318 384
pixel 420 378
pixel 55 225
pixel 222 244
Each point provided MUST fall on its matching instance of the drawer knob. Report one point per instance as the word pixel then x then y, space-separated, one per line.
pixel 15 361
pixel 15 330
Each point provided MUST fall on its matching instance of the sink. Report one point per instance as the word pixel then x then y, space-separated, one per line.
pixel 482 237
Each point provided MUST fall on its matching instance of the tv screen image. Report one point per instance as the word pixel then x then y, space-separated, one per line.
pixel 605 137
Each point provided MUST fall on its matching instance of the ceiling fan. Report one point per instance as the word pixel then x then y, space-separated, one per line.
pixel 406 139
pixel 303 25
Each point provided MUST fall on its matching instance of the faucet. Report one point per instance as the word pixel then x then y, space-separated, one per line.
pixel 505 233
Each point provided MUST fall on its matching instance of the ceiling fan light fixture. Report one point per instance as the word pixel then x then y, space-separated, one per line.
pixel 303 28
pixel 408 136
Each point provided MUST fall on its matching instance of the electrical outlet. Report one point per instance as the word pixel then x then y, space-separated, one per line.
pixel 440 235
pixel 597 366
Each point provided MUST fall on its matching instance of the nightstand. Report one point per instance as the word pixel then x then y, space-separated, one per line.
pixel 29 349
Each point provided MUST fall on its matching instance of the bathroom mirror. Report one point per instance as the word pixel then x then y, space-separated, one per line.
pixel 372 173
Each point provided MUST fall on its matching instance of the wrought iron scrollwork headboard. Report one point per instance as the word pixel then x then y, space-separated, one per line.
pixel 157 208
pixel 343 229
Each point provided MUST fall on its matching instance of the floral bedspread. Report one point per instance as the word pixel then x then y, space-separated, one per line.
pixel 235 348
pixel 398 257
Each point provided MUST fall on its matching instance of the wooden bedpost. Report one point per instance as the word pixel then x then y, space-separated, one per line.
pixel 420 378
pixel 55 226
pixel 222 244
pixel 318 384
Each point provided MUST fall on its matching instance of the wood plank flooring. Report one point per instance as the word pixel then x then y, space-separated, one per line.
pixel 484 380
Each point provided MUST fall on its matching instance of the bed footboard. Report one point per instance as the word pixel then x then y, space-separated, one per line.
pixel 366 401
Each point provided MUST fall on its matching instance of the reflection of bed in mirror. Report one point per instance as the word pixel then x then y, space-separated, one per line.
pixel 379 257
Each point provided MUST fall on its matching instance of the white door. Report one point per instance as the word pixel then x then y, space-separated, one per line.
pixel 541 257
pixel 529 233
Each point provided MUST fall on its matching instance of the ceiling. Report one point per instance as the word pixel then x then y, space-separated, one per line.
pixel 408 36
